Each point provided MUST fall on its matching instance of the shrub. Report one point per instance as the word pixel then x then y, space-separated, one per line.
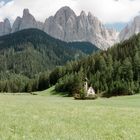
pixel 79 93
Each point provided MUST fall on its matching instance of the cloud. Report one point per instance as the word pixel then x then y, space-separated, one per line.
pixel 108 11
pixel 2 3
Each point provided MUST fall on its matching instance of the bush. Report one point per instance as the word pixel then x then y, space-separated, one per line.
pixel 79 94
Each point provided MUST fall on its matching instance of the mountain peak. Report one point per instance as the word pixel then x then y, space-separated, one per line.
pixel 26 12
pixel 5 27
pixel 7 24
pixel 65 8
pixel 90 14
pixel 67 11
pixel 83 13
pixel 27 21
pixel 6 20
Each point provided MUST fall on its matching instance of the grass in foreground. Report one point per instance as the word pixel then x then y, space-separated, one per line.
pixel 54 117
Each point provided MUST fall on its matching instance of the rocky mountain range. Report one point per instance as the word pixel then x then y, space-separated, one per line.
pixel 67 26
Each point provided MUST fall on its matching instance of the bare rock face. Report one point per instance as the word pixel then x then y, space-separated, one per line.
pixel 62 25
pixel 65 25
pixel 1 28
pixel 40 25
pixel 82 24
pixel 130 29
pixel 5 27
pixel 28 21
pixel 16 24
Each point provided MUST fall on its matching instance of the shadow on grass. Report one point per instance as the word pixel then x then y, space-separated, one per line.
pixel 32 93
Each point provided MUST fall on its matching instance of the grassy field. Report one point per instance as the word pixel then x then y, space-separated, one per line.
pixel 52 117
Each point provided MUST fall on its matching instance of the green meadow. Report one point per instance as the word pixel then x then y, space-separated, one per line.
pixel 54 117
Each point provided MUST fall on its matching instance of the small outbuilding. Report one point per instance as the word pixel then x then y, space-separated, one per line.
pixel 90 91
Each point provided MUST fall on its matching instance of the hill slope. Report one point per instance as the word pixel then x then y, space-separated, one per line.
pixel 31 51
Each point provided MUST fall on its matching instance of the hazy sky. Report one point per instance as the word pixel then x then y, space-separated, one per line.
pixel 108 11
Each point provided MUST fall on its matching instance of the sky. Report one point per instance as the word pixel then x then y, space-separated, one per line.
pixel 108 11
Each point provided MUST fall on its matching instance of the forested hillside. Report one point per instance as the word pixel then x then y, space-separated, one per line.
pixel 112 72
pixel 27 53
